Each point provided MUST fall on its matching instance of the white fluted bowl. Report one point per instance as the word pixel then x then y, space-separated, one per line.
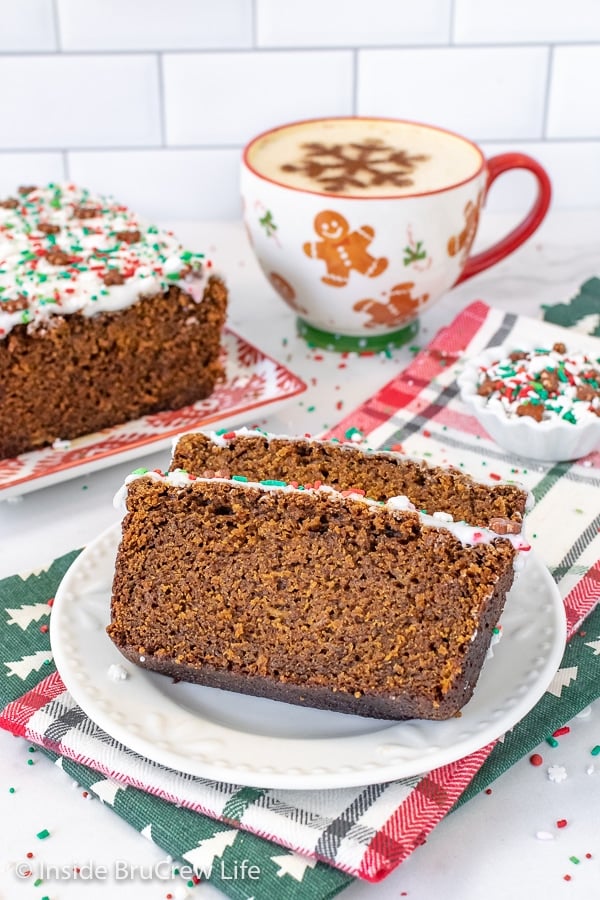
pixel 551 440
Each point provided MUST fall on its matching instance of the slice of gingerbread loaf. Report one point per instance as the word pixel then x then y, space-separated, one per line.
pixel 381 475
pixel 307 594
pixel 103 318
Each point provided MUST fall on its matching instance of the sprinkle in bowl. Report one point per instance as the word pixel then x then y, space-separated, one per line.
pixel 541 402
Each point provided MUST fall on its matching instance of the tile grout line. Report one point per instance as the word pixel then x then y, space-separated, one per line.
pixel 452 25
pixel 56 23
pixel 194 148
pixel 546 107
pixel 283 48
pixel 162 110
pixel 254 26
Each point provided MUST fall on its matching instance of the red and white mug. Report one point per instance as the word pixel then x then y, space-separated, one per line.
pixel 361 223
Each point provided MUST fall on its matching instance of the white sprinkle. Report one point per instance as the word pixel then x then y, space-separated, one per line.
pixel 544 836
pixel 117 672
pixel 587 711
pixel 590 769
pixel 557 773
pixel 61 445
pixel 142 659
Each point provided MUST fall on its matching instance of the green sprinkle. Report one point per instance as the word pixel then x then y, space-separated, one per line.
pixel 351 432
pixel 552 741
pixel 173 276
pixel 44 833
pixel 272 482
pixel 37 882
pixel 30 762
pixel 11 790
pixel 310 409
pixel 239 478
pixel 569 417
pixel 574 860
pixel 140 471
pixel 595 751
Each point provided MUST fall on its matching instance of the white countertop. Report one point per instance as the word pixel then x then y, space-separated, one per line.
pixel 488 849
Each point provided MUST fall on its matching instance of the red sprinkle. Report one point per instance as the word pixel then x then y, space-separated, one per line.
pixel 51 601
pixel 566 877
pixel 495 476
pixel 588 855
pixel 229 435
pixel 426 433
pixel 43 629
pixel 488 790
pixel 536 760
pixel 560 731
pixel 29 855
pixel 561 823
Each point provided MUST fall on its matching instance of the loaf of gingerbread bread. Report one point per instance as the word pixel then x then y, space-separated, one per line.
pixel 348 598
pixel 103 319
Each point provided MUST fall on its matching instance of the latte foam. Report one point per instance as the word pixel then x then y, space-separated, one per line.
pixel 363 157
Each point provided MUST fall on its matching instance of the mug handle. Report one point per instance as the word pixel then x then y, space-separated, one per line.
pixel 496 165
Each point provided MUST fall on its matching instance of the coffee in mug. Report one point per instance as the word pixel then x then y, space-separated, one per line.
pixel 361 223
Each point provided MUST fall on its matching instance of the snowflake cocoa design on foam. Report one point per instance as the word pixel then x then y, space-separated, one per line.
pixel 340 167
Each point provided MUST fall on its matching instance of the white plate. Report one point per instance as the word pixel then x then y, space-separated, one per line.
pixel 252 382
pixel 245 740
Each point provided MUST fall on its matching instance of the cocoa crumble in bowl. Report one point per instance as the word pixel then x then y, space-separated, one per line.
pixel 541 402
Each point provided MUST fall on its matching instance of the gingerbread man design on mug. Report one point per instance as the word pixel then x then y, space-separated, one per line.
pixel 343 250
pixel 401 307
pixel 462 243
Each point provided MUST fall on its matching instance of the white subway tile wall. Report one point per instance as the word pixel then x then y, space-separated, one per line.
pixel 153 101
